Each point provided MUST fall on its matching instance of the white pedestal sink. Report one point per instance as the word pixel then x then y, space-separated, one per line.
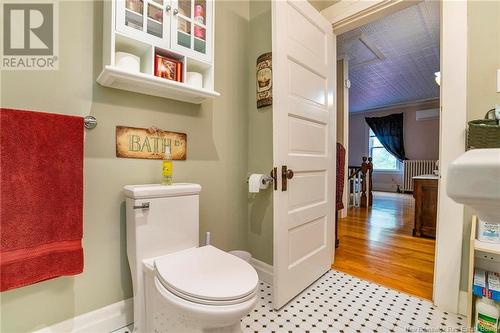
pixel 474 180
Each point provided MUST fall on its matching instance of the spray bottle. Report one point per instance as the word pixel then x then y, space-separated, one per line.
pixel 167 167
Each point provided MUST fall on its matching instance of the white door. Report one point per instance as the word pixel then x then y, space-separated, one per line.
pixel 303 141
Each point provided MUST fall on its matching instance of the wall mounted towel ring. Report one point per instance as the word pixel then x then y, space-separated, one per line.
pixel 90 122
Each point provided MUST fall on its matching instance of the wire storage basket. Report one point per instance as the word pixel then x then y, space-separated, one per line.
pixel 483 133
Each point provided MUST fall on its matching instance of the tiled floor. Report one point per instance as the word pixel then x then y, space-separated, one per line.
pixel 338 302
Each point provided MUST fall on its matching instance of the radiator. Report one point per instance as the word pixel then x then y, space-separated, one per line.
pixel 414 168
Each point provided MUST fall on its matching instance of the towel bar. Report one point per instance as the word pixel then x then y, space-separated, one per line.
pixel 90 122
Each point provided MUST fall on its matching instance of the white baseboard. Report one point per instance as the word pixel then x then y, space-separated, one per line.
pixel 265 271
pixel 106 319
pixel 384 187
pixel 115 316
pixel 462 303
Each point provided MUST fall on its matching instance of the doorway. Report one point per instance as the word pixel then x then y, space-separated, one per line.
pixel 388 68
pixel 453 64
pixel 453 101
pixel 391 66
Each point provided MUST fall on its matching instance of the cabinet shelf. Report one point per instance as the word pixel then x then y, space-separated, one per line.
pixel 486 247
pixel 487 258
pixel 117 78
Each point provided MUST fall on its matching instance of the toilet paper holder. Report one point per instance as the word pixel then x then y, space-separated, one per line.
pixel 266 180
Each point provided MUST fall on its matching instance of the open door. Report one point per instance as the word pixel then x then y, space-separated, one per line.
pixel 304 135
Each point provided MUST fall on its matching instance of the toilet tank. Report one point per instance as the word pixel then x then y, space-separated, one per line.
pixel 161 219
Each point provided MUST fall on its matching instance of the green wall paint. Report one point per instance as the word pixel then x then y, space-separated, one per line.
pixel 217 157
pixel 260 138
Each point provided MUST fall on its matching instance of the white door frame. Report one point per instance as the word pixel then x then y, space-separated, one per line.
pixel 346 15
pixel 343 118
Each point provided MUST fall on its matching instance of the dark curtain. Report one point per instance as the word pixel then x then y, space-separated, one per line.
pixel 389 131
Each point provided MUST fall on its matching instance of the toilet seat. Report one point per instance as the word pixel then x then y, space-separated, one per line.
pixel 207 275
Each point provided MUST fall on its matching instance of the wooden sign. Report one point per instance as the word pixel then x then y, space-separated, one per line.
pixel 149 143
pixel 264 80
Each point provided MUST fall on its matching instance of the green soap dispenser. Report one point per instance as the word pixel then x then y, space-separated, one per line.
pixel 167 167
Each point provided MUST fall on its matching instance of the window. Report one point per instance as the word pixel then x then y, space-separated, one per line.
pixel 382 160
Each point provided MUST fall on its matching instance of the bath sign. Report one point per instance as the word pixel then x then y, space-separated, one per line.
pixel 149 143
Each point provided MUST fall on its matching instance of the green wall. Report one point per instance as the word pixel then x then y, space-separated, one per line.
pixel 483 62
pixel 217 157
pixel 260 138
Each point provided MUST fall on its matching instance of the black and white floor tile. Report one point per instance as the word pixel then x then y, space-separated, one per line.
pixel 338 302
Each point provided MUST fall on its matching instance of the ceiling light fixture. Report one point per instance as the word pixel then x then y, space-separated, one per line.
pixel 437 78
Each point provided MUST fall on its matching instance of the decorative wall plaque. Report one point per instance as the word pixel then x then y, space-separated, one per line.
pixel 149 143
pixel 264 80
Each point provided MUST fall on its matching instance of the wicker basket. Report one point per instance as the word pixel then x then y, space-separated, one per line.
pixel 483 133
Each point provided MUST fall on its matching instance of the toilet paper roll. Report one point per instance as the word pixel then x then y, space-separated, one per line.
pixel 256 182
pixel 127 61
pixel 195 79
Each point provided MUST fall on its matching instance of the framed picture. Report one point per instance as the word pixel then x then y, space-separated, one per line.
pixel 264 80
pixel 168 68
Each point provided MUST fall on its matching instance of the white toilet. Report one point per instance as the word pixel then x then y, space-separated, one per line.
pixel 178 286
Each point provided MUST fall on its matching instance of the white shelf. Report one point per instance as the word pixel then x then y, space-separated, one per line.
pixel 486 247
pixel 147 84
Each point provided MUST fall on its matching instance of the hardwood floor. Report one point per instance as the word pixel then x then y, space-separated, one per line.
pixel 376 244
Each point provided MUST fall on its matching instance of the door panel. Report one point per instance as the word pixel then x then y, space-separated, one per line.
pixel 303 138
pixel 308 189
pixel 306 84
pixel 306 240
pixel 306 33
pixel 307 137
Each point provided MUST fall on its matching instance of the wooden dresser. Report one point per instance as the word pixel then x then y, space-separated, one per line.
pixel 425 192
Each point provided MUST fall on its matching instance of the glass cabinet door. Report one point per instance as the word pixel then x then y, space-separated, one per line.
pixel 146 20
pixel 191 28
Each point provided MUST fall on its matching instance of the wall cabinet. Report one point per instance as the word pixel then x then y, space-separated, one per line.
pixel 181 31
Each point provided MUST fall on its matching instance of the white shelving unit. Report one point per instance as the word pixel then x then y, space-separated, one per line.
pixel 481 255
pixel 181 30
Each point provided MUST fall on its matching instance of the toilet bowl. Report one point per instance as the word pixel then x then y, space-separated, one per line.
pixel 200 290
pixel 178 286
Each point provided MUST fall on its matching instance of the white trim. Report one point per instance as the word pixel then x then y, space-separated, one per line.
pixel 462 303
pixel 450 215
pixel 385 187
pixel 346 15
pixel 121 314
pixel 265 271
pixel 106 319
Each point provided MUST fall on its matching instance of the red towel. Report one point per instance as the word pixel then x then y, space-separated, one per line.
pixel 41 197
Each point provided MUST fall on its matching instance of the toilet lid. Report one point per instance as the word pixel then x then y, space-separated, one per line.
pixel 207 273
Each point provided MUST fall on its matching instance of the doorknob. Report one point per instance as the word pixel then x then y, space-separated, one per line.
pixel 285 175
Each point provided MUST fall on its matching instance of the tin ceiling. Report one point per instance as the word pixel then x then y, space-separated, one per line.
pixel 393 60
